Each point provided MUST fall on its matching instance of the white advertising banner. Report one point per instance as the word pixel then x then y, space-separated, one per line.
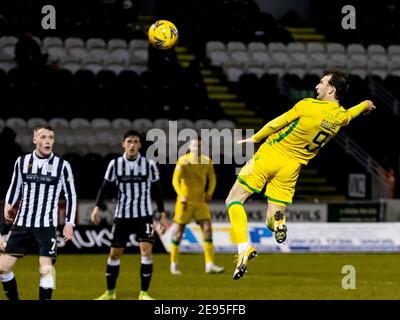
pixel 256 211
pixel 302 237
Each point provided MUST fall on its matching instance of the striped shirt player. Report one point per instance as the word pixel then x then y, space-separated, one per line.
pixel 37 182
pixel 133 180
pixel 137 180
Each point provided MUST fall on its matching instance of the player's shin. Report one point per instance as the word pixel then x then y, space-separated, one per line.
pixel 9 285
pixel 238 218
pixel 146 271
pixel 174 251
pixel 112 272
pixel 47 282
pixel 208 251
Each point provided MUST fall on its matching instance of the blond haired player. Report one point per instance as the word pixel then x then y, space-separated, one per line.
pixel 293 139
pixel 37 182
pixel 192 173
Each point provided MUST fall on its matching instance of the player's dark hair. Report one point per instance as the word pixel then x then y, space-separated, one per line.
pixel 133 133
pixel 340 81
pixel 43 126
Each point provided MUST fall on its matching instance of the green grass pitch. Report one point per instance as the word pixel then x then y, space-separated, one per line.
pixel 269 277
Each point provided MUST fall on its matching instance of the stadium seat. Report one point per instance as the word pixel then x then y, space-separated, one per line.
pixel 337 60
pixel 7 44
pixel 377 61
pixel 274 47
pixel 215 46
pixel 73 42
pixel 258 71
pixel 333 48
pixel 120 126
pixel 393 50
pixel 7 65
pixel 120 53
pixel 142 125
pixel 56 53
pixel 233 46
pixel 360 72
pixel 355 48
pixel 92 43
pixel 8 41
pixel 59 124
pixel 139 56
pixel 373 49
pixel 259 58
pixel 256 47
pixel 17 124
pixel 295 47
pixel 279 59
pixel 161 123
pixel 112 59
pixel 239 58
pixel 315 47
pixel 296 71
pixel 100 123
pixel 357 61
pixel 218 58
pixel 394 63
pixel 32 123
pixel 70 63
pixel 233 73
pixel 52 42
pixel 78 52
pixel 98 53
pixel 138 44
pixel 317 72
pixel 297 60
pixel 275 70
pixel 185 124
pixel 203 124
pixel 381 73
pixel 116 44
pixel 316 60
pixel 79 124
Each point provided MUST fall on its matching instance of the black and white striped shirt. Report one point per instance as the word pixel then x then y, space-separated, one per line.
pixel 133 179
pixel 37 182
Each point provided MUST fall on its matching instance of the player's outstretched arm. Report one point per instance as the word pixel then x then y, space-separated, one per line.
pixel 248 140
pixel 364 107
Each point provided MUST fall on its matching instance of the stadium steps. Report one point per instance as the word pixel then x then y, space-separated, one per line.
pixel 233 107
pixel 312 185
pixel 306 34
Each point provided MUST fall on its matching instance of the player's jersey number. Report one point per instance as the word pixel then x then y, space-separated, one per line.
pixel 318 140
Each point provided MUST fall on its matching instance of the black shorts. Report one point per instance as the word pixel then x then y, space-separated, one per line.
pixel 123 228
pixel 22 239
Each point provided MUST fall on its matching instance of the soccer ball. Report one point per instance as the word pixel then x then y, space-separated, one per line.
pixel 163 34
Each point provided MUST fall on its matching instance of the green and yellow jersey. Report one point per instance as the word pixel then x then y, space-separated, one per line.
pixel 309 125
pixel 191 175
